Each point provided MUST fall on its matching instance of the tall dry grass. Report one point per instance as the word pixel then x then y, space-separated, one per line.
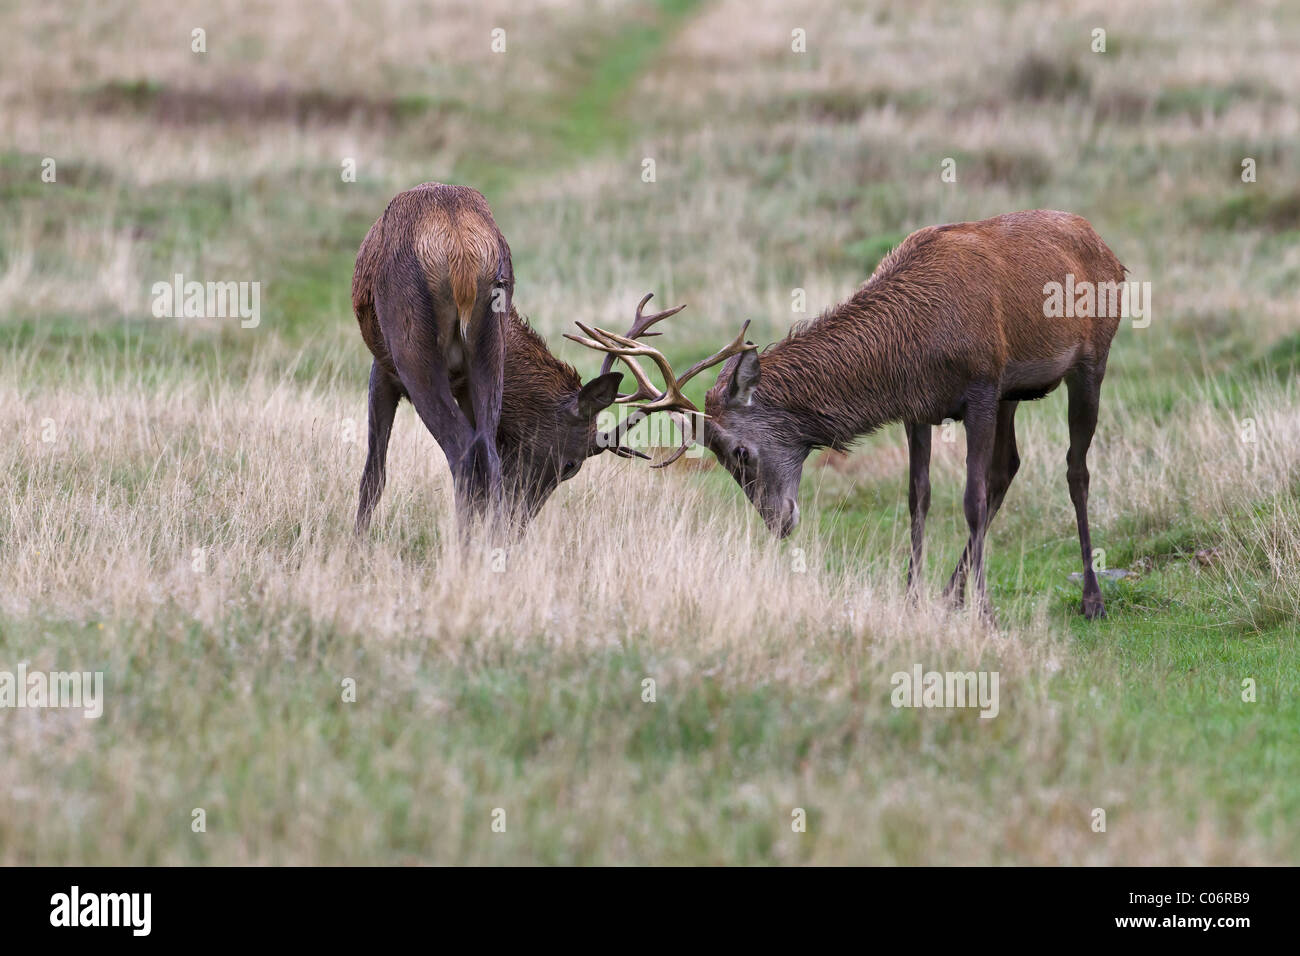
pixel 219 512
pixel 254 484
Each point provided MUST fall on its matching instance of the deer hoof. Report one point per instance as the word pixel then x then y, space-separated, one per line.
pixel 1093 608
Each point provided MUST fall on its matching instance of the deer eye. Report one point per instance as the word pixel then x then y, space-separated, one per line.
pixel 742 454
pixel 570 469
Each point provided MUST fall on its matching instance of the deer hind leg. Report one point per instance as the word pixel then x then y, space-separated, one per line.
pixel 485 380
pixel 1002 471
pixel 918 498
pixel 1084 387
pixel 384 396
pixel 981 433
pixel 425 379
pixel 437 408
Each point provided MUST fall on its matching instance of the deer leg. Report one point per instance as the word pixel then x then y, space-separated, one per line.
pixel 426 382
pixel 1002 470
pixel 438 410
pixel 918 498
pixel 486 367
pixel 981 433
pixel 384 396
pixel 1084 387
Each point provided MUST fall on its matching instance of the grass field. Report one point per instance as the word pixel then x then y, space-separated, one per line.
pixel 178 493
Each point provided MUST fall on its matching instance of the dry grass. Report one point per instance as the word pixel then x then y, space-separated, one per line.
pixel 187 527
pixel 261 476
pixel 101 530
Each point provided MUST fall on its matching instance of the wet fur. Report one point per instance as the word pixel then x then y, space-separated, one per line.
pixel 949 326
pixel 437 253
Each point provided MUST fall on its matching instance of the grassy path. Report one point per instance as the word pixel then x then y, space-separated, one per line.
pixel 592 113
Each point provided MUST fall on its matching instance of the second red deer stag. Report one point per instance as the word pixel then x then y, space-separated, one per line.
pixel 432 293
pixel 951 325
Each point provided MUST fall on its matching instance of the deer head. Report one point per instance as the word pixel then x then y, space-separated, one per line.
pixel 760 449
pixel 548 420
pixel 758 442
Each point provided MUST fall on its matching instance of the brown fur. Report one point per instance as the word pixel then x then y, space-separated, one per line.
pixel 950 305
pixel 951 325
pixel 536 383
pixel 533 376
pixel 459 249
pixel 438 259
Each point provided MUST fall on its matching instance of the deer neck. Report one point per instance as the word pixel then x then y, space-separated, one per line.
pixel 838 377
pixel 535 382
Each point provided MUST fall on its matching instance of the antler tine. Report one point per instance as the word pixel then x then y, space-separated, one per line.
pixel 604 341
pixel 738 345
pixel 639 326
pixel 672 397
pixel 644 322
pixel 624 452
pixel 600 340
pixel 614 345
pixel 680 419
pixel 680 409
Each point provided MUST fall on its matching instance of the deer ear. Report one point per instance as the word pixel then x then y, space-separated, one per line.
pixel 744 379
pixel 598 394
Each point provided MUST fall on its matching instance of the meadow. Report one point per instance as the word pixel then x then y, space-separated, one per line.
pixel 178 493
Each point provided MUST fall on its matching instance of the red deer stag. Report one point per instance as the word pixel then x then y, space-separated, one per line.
pixel 511 418
pixel 951 325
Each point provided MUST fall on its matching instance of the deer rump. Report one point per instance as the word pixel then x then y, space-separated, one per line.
pixel 435 261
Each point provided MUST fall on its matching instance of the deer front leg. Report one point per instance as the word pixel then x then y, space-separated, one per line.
pixel 918 499
pixel 1002 471
pixel 981 434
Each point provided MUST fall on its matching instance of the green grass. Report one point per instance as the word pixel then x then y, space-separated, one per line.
pixel 531 727
pixel 596 116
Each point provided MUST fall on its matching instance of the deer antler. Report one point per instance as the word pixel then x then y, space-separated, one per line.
pixel 645 388
pixel 671 399
pixel 639 326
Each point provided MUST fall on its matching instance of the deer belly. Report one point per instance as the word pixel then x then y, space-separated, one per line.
pixel 1032 378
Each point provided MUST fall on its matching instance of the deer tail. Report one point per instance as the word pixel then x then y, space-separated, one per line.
pixel 476 255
